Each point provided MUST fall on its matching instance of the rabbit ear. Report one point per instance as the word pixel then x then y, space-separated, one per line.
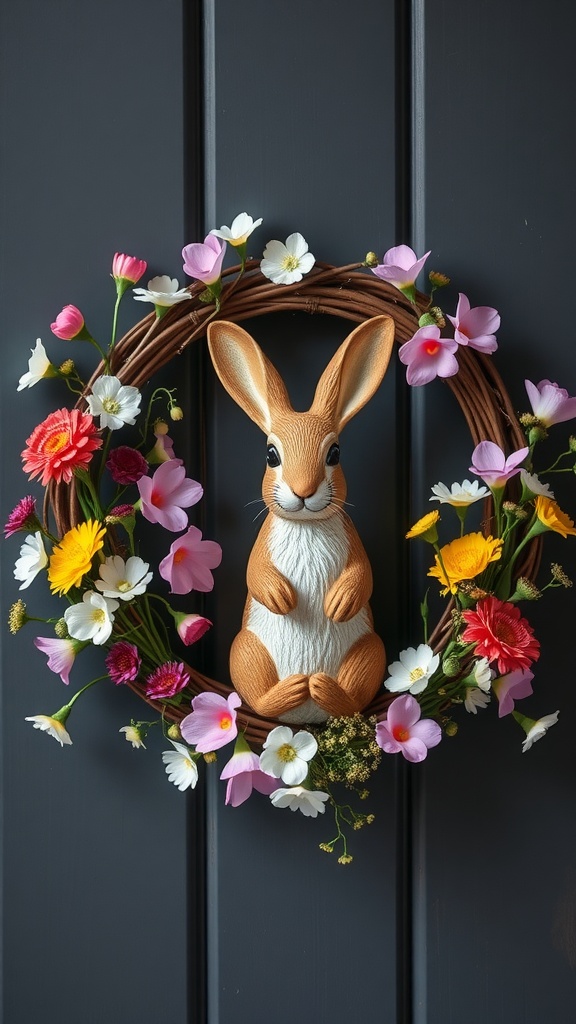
pixel 355 371
pixel 246 373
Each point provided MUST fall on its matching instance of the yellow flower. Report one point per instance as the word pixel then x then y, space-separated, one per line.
pixel 464 559
pixel 553 518
pixel 425 527
pixel 72 557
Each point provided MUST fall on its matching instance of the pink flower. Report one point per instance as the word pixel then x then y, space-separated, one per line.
pixel 501 634
pixel 127 268
pixel 187 565
pixel 166 494
pixel 244 774
pixel 63 442
pixel 61 654
pixel 400 266
pixel 167 680
pixel 123 662
pixel 492 466
pixel 550 403
pixel 475 327
pixel 427 356
pixel 512 687
pixel 403 732
pixel 126 465
pixel 212 722
pixel 68 324
pixel 190 626
pixel 163 450
pixel 23 517
pixel 203 260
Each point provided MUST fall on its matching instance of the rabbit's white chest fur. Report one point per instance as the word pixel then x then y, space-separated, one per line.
pixel 311 556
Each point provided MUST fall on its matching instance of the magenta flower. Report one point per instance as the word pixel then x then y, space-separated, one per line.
pixel 203 260
pixel 512 687
pixel 23 517
pixel 187 565
pixel 167 680
pixel 550 404
pixel 127 268
pixel 123 662
pixel 492 466
pixel 126 465
pixel 69 324
pixel 166 494
pixel 121 511
pixel 244 774
pixel 427 356
pixel 190 626
pixel 400 266
pixel 475 327
pixel 212 721
pixel 403 732
pixel 61 654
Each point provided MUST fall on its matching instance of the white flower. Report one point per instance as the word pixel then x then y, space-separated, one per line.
pixel 162 291
pixel 241 228
pixel 284 264
pixel 123 580
pixel 413 670
pixel 115 403
pixel 180 768
pixel 462 494
pixel 133 735
pixel 475 698
pixel 531 482
pixel 91 620
pixel 52 726
pixel 538 730
pixel 311 803
pixel 483 674
pixel 39 366
pixel 33 559
pixel 286 756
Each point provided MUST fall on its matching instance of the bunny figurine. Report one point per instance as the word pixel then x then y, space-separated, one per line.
pixel 307 647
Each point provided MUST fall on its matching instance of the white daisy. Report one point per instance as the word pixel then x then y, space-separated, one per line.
pixel 538 730
pixel 180 768
pixel 413 670
pixel 475 699
pixel 133 735
pixel 123 580
pixel 52 726
pixel 162 291
pixel 483 674
pixel 310 803
pixel 92 619
pixel 241 228
pixel 285 264
pixel 115 403
pixel 286 756
pixel 33 559
pixel 531 482
pixel 459 495
pixel 39 366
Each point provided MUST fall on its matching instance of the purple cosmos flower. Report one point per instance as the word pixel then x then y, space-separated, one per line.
pixel 243 774
pixel 400 266
pixel 61 654
pixel 123 662
pixel 512 687
pixel 23 517
pixel 490 463
pixel 187 565
pixel 550 403
pixel 167 680
pixel 212 721
pixel 475 327
pixel 404 732
pixel 166 494
pixel 203 260
pixel 427 356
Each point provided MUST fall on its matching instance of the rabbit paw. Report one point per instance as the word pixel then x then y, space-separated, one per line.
pixel 277 595
pixel 329 694
pixel 342 602
pixel 285 695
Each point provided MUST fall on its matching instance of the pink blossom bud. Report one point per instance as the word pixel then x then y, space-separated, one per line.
pixel 68 324
pixel 191 627
pixel 203 260
pixel 127 268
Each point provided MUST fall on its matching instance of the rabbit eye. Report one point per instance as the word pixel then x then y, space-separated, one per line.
pixel 333 457
pixel 272 456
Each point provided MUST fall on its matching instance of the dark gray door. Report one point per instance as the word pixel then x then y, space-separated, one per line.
pixel 136 127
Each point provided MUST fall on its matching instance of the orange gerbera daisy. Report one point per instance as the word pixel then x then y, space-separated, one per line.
pixel 63 442
pixel 464 559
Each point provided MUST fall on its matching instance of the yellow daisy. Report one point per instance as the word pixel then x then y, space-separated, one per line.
pixel 425 527
pixel 464 559
pixel 553 518
pixel 72 557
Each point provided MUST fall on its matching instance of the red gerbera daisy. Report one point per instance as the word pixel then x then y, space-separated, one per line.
pixel 167 680
pixel 501 634
pixel 64 442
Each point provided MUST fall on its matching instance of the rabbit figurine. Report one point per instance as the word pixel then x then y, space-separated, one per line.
pixel 307 647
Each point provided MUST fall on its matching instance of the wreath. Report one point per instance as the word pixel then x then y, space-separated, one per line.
pixel 97 491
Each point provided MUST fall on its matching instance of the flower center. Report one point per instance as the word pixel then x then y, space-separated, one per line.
pixel 179 556
pixel 290 262
pixel 99 616
pixel 225 721
pixel 505 632
pixel 56 442
pixel 286 753
pixel 400 733
pixel 123 586
pixel 416 673
pixel 431 348
pixel 156 499
pixel 111 405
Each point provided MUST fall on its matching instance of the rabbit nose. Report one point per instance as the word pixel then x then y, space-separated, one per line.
pixel 303 497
